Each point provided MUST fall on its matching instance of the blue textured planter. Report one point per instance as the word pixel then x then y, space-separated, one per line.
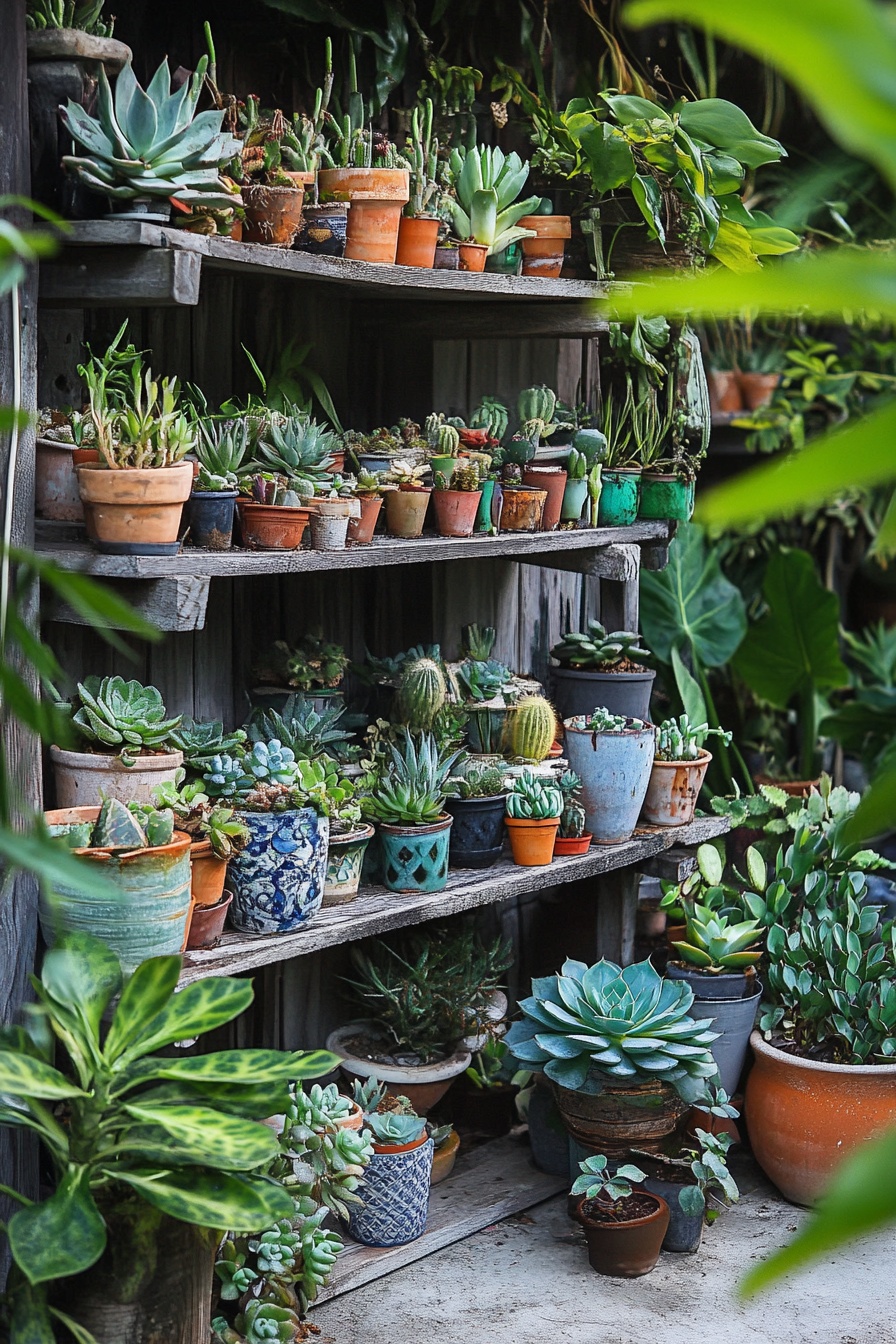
pixel 278 879
pixel 615 771
pixel 211 518
pixel 415 858
pixel 732 1016
pixel 395 1191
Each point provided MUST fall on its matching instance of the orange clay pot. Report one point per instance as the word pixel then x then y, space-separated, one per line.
pixel 543 254
pixel 724 390
pixel 804 1117
pixel 673 790
pixel 553 480
pixel 472 256
pixel 272 527
pixel 377 196
pixel 757 389
pixel 208 873
pixel 361 530
pixel 354 1119
pixel 456 511
pixel 273 214
pixel 134 510
pixel 532 840
pixel 417 238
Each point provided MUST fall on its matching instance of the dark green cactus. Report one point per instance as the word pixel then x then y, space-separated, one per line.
pixel 421 694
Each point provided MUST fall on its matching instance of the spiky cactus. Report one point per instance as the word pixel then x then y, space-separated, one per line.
pixel 533 728
pixel 421 694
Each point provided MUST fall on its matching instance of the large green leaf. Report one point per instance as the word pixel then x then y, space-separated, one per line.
pixel 54 866
pixel 63 1235
pixel 793 649
pixel 874 814
pixel 727 127
pixel 690 604
pixel 238 1145
pixel 24 1076
pixel 213 1199
pixel 29 1315
pixel 248 1100
pixel 609 154
pixel 144 996
pixel 198 1008
pixel 82 975
pixel 252 1067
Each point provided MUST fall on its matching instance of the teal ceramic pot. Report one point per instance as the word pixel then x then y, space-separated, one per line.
pixel 618 504
pixel 415 858
pixel 345 859
pixel 395 1194
pixel 278 879
pixel 615 770
pixel 665 496
pixel 574 497
pixel 484 512
pixel 509 261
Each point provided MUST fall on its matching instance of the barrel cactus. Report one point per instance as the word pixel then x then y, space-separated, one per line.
pixel 421 694
pixel 533 728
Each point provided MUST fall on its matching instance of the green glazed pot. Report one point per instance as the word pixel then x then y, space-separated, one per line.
pixel 484 512
pixel 415 858
pixel 345 859
pixel 444 463
pixel 618 506
pixel 665 496
pixel 574 496
pixel 509 261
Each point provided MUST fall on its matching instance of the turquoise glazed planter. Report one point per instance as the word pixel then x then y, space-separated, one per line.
pixel 618 504
pixel 278 879
pixel 395 1191
pixel 509 261
pixel 615 771
pixel 415 858
pixel 574 496
pixel 665 496
pixel 345 859
pixel 484 521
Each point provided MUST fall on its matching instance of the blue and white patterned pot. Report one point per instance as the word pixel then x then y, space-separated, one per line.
pixel 395 1191
pixel 278 879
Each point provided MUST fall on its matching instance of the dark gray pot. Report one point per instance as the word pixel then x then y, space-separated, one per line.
pixel 547 1132
pixel 734 1019
pixel 477 836
pixel 626 693
pixel 685 1229
pixel 734 986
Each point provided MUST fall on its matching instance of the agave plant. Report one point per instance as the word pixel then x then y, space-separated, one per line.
pixel 123 714
pixel 590 1024
pixel 487 183
pixel 221 449
pixel 300 447
pixel 714 945
pixel 410 790
pixel 151 143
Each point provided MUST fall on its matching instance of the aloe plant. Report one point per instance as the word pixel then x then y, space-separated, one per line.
pixel 221 449
pixel 487 183
pixel 124 714
pixel 151 143
pixel 410 789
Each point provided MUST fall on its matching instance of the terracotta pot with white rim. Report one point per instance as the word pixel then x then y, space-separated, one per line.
pixel 673 790
pixel 56 494
pixel 84 778
pixel 543 254
pixel 422 1084
pixel 135 510
pixel 377 197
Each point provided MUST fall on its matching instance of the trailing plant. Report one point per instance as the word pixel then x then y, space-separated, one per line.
pixel 127 715
pixel 597 649
pixel 321 1160
pixel 410 788
pixel 531 798
pixel 487 183
pixel 712 1188
pixel 683 740
pixel 608 1190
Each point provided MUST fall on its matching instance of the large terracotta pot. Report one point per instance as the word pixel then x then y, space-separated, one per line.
pixel 543 254
pixel 804 1117
pixel 553 480
pixel 673 789
pixel 640 1115
pixel 456 511
pixel 135 510
pixel 273 214
pixel 377 196
pixel 272 527
pixel 417 238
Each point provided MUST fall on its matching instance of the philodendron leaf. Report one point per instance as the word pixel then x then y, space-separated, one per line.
pixel 145 995
pixel 29 1315
pixel 25 1076
pixel 240 1145
pixel 82 974
pixel 213 1199
pixel 198 1008
pixel 691 1201
pixel 63 1235
pixel 690 604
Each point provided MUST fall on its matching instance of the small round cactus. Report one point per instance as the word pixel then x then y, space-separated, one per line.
pixel 421 694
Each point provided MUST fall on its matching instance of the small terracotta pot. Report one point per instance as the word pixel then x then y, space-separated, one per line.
pixel 673 790
pixel 532 840
pixel 543 254
pixel 361 529
pixel 207 874
pixel 553 480
pixel 272 527
pixel 417 238
pixel 207 922
pixel 135 510
pixel 354 1120
pixel 794 788
pixel 472 256
pixel 56 493
pixel 406 510
pixel 456 511
pixel 273 214
pixel 626 1250
pixel 565 845
pixel 757 389
pixel 724 390
pixel 444 1158
pixel 522 509
pixel 377 197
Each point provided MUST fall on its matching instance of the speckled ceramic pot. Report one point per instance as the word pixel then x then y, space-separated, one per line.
pixel 278 879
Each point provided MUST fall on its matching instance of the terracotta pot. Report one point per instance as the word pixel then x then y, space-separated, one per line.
pixel 272 527
pixel 444 1158
pixel 300 179
pixel 724 390
pixel 626 1250
pixel 361 529
pixel 354 1120
pixel 83 778
pixel 273 214
pixel 456 511
pixel 532 840
pixel 543 254
pixel 406 510
pixel 673 789
pixel 417 238
pixel 208 873
pixel 757 389
pixel 471 256
pixel 56 494
pixel 565 845
pixel 640 1115
pixel 522 509
pixel 377 197
pixel 207 922
pixel 553 480
pixel 82 455
pixel 135 510
pixel 804 1117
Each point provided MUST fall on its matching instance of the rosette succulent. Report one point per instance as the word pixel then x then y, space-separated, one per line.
pixel 596 647
pixel 482 680
pixel 201 742
pixel 410 789
pixel 124 714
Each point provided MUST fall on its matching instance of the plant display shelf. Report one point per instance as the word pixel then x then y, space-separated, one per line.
pixel 376 910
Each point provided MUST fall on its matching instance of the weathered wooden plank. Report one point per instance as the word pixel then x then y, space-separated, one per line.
pixel 170 604
pixel 537 318
pixel 488 1184
pixel 98 277
pixel 377 910
pixel 619 604
pixel 616 915
pixel 673 866
pixel 620 562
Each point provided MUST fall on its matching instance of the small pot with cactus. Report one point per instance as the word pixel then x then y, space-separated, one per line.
pixel 442 444
pixel 394 1189
pixel 456 500
pixel 572 837
pixel 533 815
pixel 575 491
pixel 418 231
pixel 477 796
pixel 406 506
pixel 370 489
pixel 679 768
pixel 613 755
pixel 624 1226
pixel 599 667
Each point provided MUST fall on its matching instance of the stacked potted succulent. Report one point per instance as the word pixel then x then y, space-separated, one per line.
pixel 476 801
pixel 313 667
pixel 394 1190
pixel 572 837
pixel 456 500
pixel 221 449
pixel 485 211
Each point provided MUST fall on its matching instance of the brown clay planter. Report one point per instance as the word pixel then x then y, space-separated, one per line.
pixel 456 511
pixel 522 509
pixel 354 1120
pixel 553 480
pixel 273 214
pixel 543 254
pixel 565 845
pixel 444 1158
pixel 55 483
pixel 757 389
pixel 361 530
pixel 208 873
pixel 804 1116
pixel 673 789
pixel 626 1250
pixel 446 259
pixel 135 510
pixel 377 196
pixel 417 238
pixel 406 509
pixel 619 1118
pixel 207 922
pixel 471 256
pixel 272 527
pixel 532 840
pixel 724 390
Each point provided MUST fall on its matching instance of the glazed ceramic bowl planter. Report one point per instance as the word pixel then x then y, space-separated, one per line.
pixel 345 858
pixel 732 1002
pixel 415 858
pixel 361 529
pixel 273 214
pixel 134 510
pixel 406 509
pixel 619 497
pixel 377 197
pixel 615 770
pixel 272 527
pixel 629 1248
pixel 145 913
pixel 83 778
pixel 665 496
pixel 805 1116
pixel 575 691
pixel 395 1194
pixel 532 840
pixel 211 518
pixel 477 836
pixel 673 790
pixel 278 879
pixel 417 238
pixel 553 480
pixel 543 254
pixel 456 511
pixel 423 1084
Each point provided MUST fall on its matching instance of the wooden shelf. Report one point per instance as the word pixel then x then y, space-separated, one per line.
pixel 376 910
pixel 487 1184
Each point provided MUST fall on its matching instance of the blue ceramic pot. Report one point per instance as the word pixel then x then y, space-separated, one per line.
pixel 278 879
pixel 615 771
pixel 477 836
pixel 211 518
pixel 415 858
pixel 395 1191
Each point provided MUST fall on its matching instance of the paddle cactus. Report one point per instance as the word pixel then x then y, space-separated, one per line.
pixel 533 728
pixel 531 799
pixel 421 694
pixel 123 714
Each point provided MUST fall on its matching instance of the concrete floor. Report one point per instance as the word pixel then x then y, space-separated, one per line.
pixel 527 1279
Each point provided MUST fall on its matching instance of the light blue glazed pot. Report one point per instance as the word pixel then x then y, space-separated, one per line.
pixel 278 879
pixel 395 1191
pixel 345 860
pixel 415 858
pixel 615 771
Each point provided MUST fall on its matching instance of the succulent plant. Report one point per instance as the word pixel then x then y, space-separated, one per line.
pixel 368 1093
pixel 82 14
pixel 601 720
pixel 395 1129
pixel 682 740
pixel 465 478
pixel 157 823
pixel 299 447
pixel 597 648
pixel 221 449
pixel 606 1187
pixel 591 1023
pixel 275 1249
pixel 151 143
pixel 478 641
pixel 421 694
pixel 124 714
pixel 487 183
pixel 532 799
pixel 234 1275
pixel 403 472
pixel 533 728
pixel 410 790
pixel 492 415
pixel 714 945
pixel 535 408
pixel 422 150
pixel 322 1160
pixel 442 437
pixel 477 780
pixel 199 742
pixel 309 732
pixel 225 776
pixel 482 680
pixel 572 818
pixel 318 784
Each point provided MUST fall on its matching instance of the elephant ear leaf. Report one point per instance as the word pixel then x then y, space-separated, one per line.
pixel 691 605
pixel 63 1235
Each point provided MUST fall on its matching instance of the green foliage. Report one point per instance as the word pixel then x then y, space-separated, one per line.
pixel 422 150
pixel 85 15
pixel 533 727
pixel 237 777
pixel 321 1160
pixel 598 649
pixel 299 447
pixel 714 945
pixel 311 664
pixel 588 1024
pixel 865 724
pixel 607 1188
pixel 124 714
pixel 308 732
pixel 487 183
pixel 221 449
pixel 318 784
pixel 410 784
pixel 572 818
pixel 492 1064
pixel 531 798
pixel 682 741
